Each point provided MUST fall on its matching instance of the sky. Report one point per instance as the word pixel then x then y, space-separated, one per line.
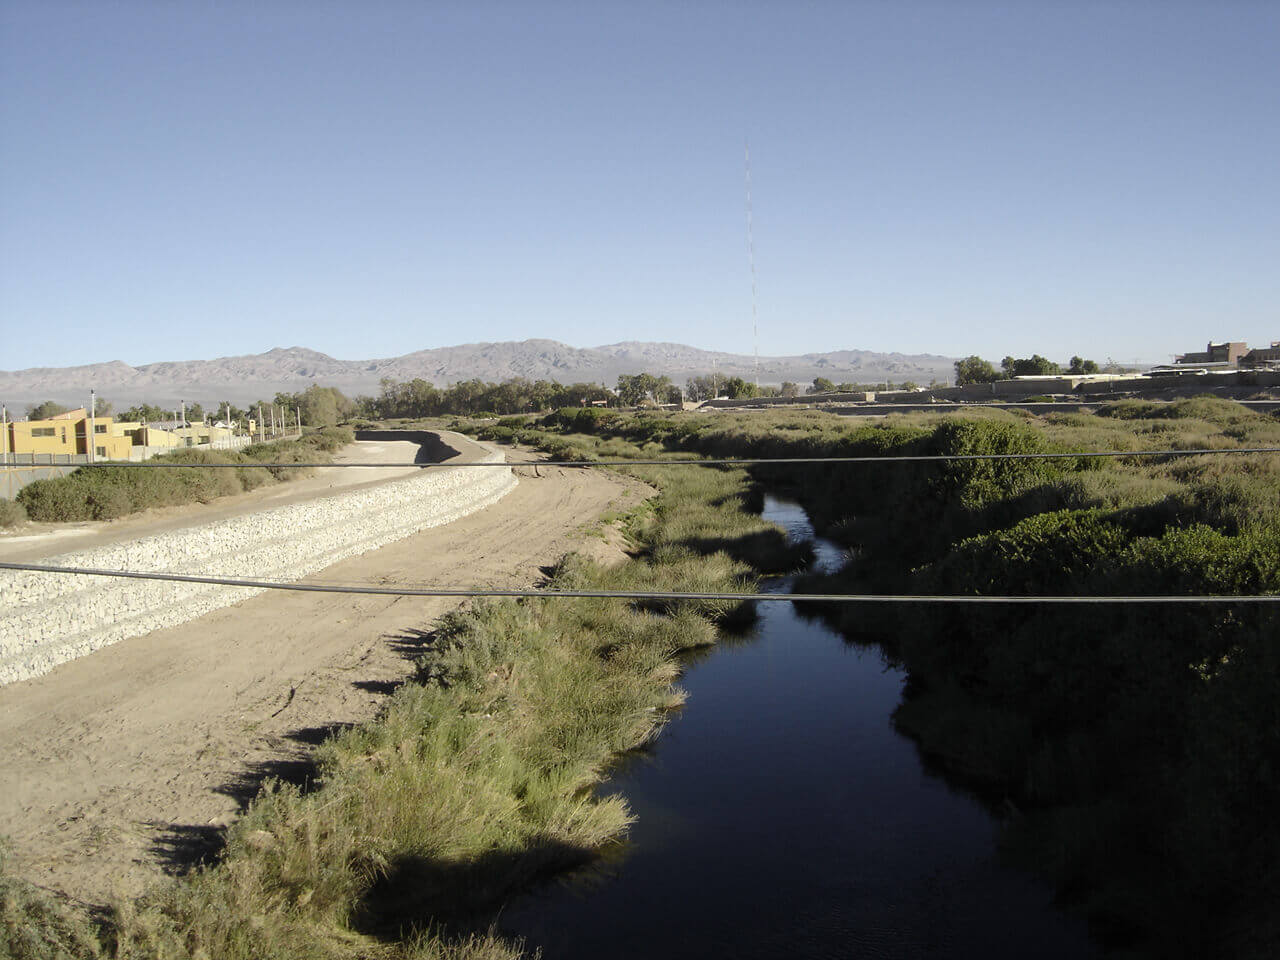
pixel 192 180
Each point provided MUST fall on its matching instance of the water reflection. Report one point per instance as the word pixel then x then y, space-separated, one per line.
pixel 779 814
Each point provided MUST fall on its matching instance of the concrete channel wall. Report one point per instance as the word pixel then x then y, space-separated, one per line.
pixel 49 618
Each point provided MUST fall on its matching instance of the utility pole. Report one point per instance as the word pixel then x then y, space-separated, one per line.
pixel 231 434
pixel 297 411
pixel 260 425
pixel 4 449
pixel 90 440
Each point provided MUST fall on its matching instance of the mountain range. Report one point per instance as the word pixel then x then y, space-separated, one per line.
pixel 259 376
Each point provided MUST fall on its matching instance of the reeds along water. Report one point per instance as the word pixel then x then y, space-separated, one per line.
pixel 783 805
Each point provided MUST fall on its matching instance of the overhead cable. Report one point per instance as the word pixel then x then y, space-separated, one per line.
pixel 392 591
pixel 712 461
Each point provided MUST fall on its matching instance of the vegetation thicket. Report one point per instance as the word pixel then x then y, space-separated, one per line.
pixel 109 492
pixel 1136 745
pixel 477 776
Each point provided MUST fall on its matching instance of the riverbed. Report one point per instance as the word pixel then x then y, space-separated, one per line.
pixel 779 814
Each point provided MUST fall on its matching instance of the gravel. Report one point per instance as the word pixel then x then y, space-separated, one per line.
pixel 49 618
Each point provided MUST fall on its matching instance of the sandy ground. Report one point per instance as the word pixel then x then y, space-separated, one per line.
pixel 126 763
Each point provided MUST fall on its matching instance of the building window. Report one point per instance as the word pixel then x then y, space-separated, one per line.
pixel 99 428
pixel 102 451
pixel 42 431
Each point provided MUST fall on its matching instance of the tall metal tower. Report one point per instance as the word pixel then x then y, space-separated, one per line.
pixel 751 255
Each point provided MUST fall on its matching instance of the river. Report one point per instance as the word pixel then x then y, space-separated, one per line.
pixel 779 814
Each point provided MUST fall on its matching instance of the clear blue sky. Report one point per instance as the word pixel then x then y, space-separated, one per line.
pixel 190 180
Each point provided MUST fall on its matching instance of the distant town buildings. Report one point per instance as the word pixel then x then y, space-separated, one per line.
pixel 67 435
pixel 1232 353
pixel 1262 357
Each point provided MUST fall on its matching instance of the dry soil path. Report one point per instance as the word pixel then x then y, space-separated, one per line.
pixel 125 763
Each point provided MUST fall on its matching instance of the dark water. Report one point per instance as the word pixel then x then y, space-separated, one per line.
pixel 779 815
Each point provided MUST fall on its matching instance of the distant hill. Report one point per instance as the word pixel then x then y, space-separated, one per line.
pixel 259 376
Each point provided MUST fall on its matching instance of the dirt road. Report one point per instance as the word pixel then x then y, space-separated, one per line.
pixel 129 761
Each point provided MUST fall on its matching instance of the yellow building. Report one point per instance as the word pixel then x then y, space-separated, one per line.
pixel 203 433
pixel 68 434
pixel 145 436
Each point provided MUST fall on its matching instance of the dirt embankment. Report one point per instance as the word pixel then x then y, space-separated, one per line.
pixel 129 761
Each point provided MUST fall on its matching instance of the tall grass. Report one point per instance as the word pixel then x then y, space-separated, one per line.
pixel 38 925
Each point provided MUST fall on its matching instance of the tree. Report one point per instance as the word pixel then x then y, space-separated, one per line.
pixel 1081 366
pixel 638 388
pixel 701 388
pixel 580 394
pixel 735 388
pixel 322 406
pixel 466 396
pixel 821 385
pixel 146 413
pixel 43 411
pixel 633 388
pixel 973 369
pixel 1033 366
pixel 790 389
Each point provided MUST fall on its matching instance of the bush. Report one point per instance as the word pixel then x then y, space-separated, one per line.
pixel 109 492
pixel 1204 407
pixel 58 500
pixel 12 513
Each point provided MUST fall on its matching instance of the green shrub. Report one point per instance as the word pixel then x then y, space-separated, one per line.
pixel 1204 407
pixel 59 499
pixel 108 492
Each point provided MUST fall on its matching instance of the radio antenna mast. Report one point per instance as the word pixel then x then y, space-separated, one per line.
pixel 751 255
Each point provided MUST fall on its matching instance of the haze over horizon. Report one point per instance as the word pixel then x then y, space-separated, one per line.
pixel 189 183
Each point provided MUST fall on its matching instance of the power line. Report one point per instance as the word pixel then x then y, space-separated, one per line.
pixel 623 594
pixel 711 461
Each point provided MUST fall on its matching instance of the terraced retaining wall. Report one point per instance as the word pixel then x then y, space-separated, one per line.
pixel 49 618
